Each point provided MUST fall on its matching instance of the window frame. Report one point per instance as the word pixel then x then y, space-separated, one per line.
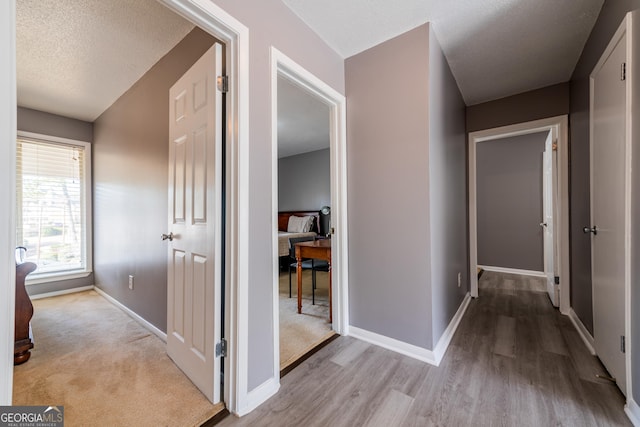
pixel 87 247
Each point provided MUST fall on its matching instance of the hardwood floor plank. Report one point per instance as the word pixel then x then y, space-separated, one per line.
pixel 514 361
pixel 551 338
pixel 392 412
pixel 350 353
pixel 505 337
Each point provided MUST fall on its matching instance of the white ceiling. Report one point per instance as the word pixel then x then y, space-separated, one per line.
pixel 495 48
pixel 76 57
pixel 303 121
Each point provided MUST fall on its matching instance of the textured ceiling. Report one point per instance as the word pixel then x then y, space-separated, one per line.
pixel 303 121
pixel 76 57
pixel 495 48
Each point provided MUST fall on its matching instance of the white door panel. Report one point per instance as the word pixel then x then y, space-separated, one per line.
pixel 608 212
pixel 193 300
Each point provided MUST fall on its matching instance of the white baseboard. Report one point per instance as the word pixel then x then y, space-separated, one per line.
pixel 513 271
pixel 633 412
pixel 63 292
pixel 432 357
pixel 146 324
pixel 582 331
pixel 447 335
pixel 393 344
pixel 258 396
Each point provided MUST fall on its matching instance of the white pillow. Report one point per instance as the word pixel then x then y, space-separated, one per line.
pixel 299 224
pixel 296 224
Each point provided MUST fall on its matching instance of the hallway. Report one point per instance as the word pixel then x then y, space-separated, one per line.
pixel 514 361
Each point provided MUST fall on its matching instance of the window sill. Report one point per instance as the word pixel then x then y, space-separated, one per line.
pixel 37 279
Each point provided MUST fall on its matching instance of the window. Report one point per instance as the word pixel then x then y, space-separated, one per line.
pixel 53 205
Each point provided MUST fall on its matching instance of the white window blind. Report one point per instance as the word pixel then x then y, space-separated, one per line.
pixel 51 203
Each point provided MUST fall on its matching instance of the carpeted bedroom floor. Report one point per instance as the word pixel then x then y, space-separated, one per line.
pixel 104 368
pixel 300 333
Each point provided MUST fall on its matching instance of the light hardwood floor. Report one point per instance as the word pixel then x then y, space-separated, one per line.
pixel 514 361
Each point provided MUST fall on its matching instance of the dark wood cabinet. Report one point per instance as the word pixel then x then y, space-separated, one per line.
pixel 24 312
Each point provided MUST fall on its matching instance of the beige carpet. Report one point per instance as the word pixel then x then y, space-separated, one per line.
pixel 299 333
pixel 105 368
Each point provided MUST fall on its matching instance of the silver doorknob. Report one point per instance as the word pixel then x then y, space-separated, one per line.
pixel 593 230
pixel 543 224
pixel 168 237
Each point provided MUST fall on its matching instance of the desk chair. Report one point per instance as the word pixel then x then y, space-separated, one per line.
pixel 308 263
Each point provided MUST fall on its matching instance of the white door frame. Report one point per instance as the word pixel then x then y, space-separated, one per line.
pixel 8 194
pixel 559 126
pixel 235 35
pixel 281 65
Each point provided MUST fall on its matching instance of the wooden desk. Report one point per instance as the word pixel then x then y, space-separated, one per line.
pixel 318 249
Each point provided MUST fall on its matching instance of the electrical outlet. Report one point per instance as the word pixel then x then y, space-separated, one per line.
pixel 459 279
pixel 131 282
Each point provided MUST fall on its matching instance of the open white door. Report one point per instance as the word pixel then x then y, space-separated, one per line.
pixel 194 262
pixel 548 218
pixel 608 199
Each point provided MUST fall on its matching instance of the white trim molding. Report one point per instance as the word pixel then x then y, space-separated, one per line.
pixel 432 357
pixel 633 411
pixel 392 344
pixel 86 209
pixel 447 335
pixel 586 337
pixel 135 316
pixel 235 35
pixel 7 194
pixel 259 395
pixel 62 292
pixel 560 127
pixel 513 271
pixel 283 66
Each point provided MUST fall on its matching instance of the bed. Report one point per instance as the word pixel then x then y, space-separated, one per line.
pixel 284 235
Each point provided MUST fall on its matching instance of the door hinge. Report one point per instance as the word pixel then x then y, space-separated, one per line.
pixel 623 71
pixel 221 348
pixel 223 84
pixel 556 280
pixel 622 344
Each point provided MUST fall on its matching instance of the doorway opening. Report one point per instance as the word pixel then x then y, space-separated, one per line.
pixel 304 215
pixel 551 229
pixel 294 88
pixel 214 20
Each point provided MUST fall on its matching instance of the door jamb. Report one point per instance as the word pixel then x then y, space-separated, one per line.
pixel 559 126
pixel 8 124
pixel 281 65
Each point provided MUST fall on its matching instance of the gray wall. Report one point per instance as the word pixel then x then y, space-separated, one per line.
pixel 407 190
pixel 388 178
pixel 304 181
pixel 271 23
pixel 541 103
pixel 608 22
pixel 51 124
pixel 509 190
pixel 62 127
pixel 447 190
pixel 130 161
